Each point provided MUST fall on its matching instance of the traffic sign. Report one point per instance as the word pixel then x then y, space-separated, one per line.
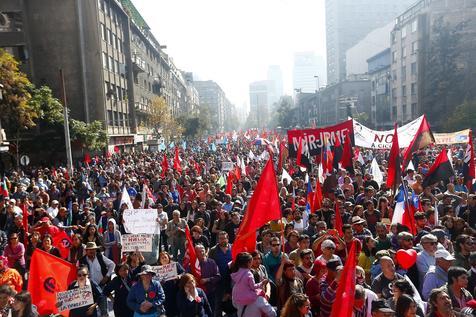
pixel 24 160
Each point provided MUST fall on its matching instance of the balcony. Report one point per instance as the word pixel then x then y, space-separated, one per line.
pixel 142 108
pixel 139 65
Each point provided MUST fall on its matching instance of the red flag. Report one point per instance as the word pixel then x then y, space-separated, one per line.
pixel 165 166
pixel 299 153
pixel 394 168
pixel 48 276
pixel 339 222
pixel 87 158
pixel 280 158
pixel 177 166
pixel 317 200
pixel 190 259
pixel 343 305
pixel 4 188
pixel 347 155
pixel 422 138
pixel 229 183
pixel 237 171
pixel 338 153
pixel 263 207
pixel 62 241
pixel 25 214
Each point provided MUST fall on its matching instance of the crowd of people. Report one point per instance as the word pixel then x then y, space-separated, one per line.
pixel 296 268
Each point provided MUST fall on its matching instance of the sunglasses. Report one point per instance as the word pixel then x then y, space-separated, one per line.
pixel 275 245
pixel 80 275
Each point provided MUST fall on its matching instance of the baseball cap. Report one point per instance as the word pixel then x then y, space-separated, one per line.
pixel 443 254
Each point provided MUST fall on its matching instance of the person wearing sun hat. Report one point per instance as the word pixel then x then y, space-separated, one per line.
pixel 146 298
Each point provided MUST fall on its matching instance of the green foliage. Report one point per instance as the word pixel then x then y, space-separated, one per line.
pixel 92 136
pixel 15 110
pixel 463 117
pixel 196 125
pixel 443 81
pixel 284 115
pixel 161 119
pixel 48 108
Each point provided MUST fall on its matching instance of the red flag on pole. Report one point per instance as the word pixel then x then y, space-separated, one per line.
pixel 165 166
pixel 422 138
pixel 48 276
pixel 190 259
pixel 87 158
pixel 299 153
pixel 63 242
pixel 25 214
pixel 229 183
pixel 339 222
pixel 317 200
pixel 280 158
pixel 177 166
pixel 394 166
pixel 347 155
pixel 469 171
pixel 343 305
pixel 263 207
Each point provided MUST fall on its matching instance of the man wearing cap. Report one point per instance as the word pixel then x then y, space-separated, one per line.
pixel 380 308
pixel 360 232
pixel 426 257
pixel 328 248
pixel 52 210
pixel 437 274
pixel 100 267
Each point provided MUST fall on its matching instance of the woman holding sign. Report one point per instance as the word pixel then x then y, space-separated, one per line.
pixel 170 286
pixel 99 299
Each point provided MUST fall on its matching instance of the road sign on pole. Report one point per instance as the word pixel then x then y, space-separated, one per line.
pixel 24 160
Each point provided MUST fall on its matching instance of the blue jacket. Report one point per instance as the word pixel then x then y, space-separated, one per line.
pixel 137 296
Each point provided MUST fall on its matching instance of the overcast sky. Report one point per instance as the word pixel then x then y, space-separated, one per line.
pixel 234 41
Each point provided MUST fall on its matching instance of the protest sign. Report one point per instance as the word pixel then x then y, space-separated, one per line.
pixel 452 138
pixel 166 272
pixel 373 139
pixel 75 298
pixel 141 221
pixel 134 242
pixel 226 166
pixel 314 139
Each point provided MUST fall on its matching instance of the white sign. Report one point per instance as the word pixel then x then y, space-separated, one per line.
pixel 75 298
pixel 373 139
pixel 166 272
pixel 452 138
pixel 141 221
pixel 226 166
pixel 24 160
pixel 133 242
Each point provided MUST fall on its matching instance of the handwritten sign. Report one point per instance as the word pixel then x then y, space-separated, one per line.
pixel 133 242
pixel 141 221
pixel 75 298
pixel 226 166
pixel 166 272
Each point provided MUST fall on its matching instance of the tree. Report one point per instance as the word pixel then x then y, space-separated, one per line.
pixel 464 116
pixel 91 136
pixel 161 119
pixel 284 115
pixel 443 80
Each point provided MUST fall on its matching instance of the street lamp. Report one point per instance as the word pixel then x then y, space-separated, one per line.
pixel 318 95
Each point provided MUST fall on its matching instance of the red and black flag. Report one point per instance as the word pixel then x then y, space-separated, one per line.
pixel 422 138
pixel 440 170
pixel 338 152
pixel 469 171
pixel 347 155
pixel 394 172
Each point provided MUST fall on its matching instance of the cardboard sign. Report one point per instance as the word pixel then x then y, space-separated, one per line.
pixel 75 298
pixel 226 166
pixel 166 272
pixel 452 138
pixel 141 221
pixel 133 242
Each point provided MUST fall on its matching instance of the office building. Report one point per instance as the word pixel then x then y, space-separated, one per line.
pixel 212 96
pixel 349 21
pixel 275 75
pixel 307 65
pixel 260 98
pixel 380 78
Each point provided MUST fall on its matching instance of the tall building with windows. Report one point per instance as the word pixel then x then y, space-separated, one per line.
pixel 307 65
pixel 261 94
pixel 113 65
pixel 212 96
pixel 348 21
pixel 275 76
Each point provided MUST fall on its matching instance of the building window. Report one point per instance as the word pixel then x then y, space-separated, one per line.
pixel 414 47
pixel 404 52
pixel 111 64
pixel 414 25
pixel 394 57
pixel 394 92
pixel 101 5
pixel 413 68
pixel 110 118
pixel 105 61
pixel 404 72
pixel 103 32
pixel 414 110
pixel 117 67
pixel 404 91
pixel 404 112
pixel 413 89
pixel 394 38
pixel 394 111
pixel 394 75
pixel 114 40
pixel 404 32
